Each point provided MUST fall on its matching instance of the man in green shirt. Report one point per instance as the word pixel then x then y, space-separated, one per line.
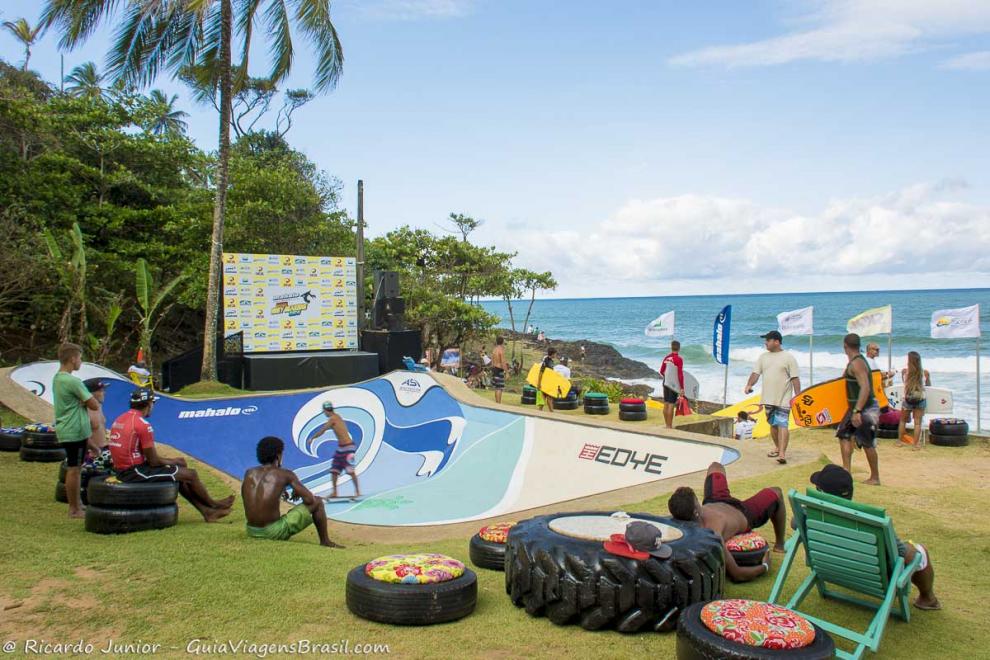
pixel 72 426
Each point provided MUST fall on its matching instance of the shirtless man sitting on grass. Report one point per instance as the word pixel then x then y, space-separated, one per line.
pixel 727 517
pixel 262 493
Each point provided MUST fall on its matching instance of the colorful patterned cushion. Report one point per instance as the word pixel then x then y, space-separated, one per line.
pixel 756 623
pixel 13 430
pixel 746 542
pixel 421 568
pixel 632 400
pixel 497 533
pixel 40 428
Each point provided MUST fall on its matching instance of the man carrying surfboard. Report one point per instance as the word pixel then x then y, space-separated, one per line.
pixel 861 419
pixel 542 398
pixel 672 375
pixel 781 383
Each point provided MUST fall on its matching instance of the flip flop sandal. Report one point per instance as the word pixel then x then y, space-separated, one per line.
pixel 928 608
pixel 782 461
pixel 773 454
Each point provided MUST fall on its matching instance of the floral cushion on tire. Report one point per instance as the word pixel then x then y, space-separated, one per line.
pixel 12 430
pixel 497 533
pixel 755 623
pixel 40 428
pixel 420 568
pixel 633 400
pixel 746 542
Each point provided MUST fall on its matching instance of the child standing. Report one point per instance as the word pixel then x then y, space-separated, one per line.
pixel 72 401
pixel 744 426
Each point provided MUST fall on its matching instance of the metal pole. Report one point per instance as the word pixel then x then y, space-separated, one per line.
pixel 979 427
pixel 890 355
pixel 360 258
pixel 725 386
pixel 811 359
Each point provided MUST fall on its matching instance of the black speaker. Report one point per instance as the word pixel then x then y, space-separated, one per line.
pixel 389 314
pixel 386 284
pixel 392 346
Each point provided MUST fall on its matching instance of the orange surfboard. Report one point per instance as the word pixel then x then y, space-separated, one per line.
pixel 825 404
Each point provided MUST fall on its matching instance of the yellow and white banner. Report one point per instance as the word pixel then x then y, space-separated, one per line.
pixel 876 321
pixel 290 303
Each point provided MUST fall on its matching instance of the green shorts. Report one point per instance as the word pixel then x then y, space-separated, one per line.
pixel 295 521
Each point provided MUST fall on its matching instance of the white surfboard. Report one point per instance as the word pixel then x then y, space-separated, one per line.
pixel 692 388
pixel 938 400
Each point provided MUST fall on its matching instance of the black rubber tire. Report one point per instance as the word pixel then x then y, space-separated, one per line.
pixel 62 467
pixel 105 520
pixel 594 400
pixel 749 557
pixel 486 554
pixel 411 604
pixel 132 496
pixel 35 455
pixel 37 440
pixel 528 400
pixel 62 496
pixel 632 407
pixel 565 404
pixel 946 427
pixel 948 440
pixel 632 416
pixel 571 580
pixel 696 642
pixel 10 441
pixel 887 427
pixel 596 410
pixel 887 434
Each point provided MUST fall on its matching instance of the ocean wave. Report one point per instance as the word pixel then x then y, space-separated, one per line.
pixel 943 364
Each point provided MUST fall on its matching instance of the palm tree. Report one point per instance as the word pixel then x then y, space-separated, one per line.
pixel 85 81
pixel 166 119
pixel 194 37
pixel 24 33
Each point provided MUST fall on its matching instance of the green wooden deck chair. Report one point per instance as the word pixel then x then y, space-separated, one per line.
pixel 851 545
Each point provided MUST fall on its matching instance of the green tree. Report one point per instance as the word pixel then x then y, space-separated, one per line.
pixel 27 35
pixel 85 80
pixel 532 282
pixel 165 118
pixel 72 270
pixel 194 37
pixel 149 303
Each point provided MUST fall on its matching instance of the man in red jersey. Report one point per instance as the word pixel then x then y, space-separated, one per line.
pixel 135 460
pixel 672 376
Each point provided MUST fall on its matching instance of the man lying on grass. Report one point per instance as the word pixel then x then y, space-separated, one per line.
pixel 135 459
pixel 836 480
pixel 262 491
pixel 727 517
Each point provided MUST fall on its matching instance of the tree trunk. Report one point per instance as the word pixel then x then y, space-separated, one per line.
pixel 529 309
pixel 512 319
pixel 209 368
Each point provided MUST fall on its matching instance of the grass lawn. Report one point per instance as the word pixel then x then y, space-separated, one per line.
pixel 209 582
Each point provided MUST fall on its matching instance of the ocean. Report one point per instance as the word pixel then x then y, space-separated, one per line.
pixel 620 323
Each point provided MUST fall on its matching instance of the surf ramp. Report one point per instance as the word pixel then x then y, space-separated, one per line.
pixel 424 457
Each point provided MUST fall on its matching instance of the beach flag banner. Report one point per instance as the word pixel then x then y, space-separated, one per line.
pixel 876 321
pixel 661 326
pixel 720 346
pixel 800 322
pixel 284 302
pixel 451 359
pixel 961 323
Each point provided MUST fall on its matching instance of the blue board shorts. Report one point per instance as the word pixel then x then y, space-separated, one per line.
pixel 778 416
pixel 343 461
pixel 913 404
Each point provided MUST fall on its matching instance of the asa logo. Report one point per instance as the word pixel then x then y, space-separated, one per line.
pixel 410 385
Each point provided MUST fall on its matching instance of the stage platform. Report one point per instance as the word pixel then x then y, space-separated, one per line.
pixel 292 371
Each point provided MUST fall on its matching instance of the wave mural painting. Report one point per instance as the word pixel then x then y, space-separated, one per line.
pixel 423 457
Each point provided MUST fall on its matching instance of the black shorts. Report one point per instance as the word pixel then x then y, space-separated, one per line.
pixel 144 473
pixel 74 452
pixel 669 395
pixel 498 378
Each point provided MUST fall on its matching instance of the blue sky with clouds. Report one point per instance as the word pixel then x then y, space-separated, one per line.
pixel 661 147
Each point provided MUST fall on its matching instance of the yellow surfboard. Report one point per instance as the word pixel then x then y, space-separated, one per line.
pixel 756 413
pixel 553 384
pixel 825 404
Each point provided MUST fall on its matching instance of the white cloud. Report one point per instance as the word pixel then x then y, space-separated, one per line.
pixel 415 9
pixel 976 61
pixel 854 30
pixel 914 237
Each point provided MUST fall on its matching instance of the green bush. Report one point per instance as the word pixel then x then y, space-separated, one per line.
pixel 611 388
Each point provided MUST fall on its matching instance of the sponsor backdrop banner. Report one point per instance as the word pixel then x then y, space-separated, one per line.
pixel 290 303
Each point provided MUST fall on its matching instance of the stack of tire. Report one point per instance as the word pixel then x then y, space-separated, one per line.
pixel 119 508
pixel 10 439
pixel 528 395
pixel 887 428
pixel 572 580
pixel 632 410
pixel 39 444
pixel 85 476
pixel 595 403
pixel 948 432
pixel 570 402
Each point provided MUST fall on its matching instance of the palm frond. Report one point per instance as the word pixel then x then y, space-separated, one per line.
pixel 278 23
pixel 313 17
pixel 76 19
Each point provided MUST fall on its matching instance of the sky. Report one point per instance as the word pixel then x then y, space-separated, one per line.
pixel 641 147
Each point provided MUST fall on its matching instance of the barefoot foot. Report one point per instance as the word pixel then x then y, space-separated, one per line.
pixel 75 515
pixel 927 603
pixel 872 482
pixel 778 547
pixel 331 544
pixel 225 503
pixel 213 515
